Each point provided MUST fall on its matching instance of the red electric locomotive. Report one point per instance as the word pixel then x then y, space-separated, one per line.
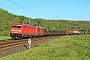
pixel 21 30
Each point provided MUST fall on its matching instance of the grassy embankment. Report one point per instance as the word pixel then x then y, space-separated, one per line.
pixel 4 37
pixel 75 47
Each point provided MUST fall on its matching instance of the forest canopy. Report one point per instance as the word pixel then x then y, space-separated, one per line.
pixel 7 18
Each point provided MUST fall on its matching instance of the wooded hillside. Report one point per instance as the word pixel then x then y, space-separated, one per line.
pixel 7 18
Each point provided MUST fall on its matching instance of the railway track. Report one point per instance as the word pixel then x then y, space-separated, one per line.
pixel 11 44
pixel 7 46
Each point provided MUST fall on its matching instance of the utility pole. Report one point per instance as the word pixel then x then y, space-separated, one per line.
pixel 59 22
pixel 38 23
pixel 59 26
pixel 29 20
pixel 22 18
pixel 67 30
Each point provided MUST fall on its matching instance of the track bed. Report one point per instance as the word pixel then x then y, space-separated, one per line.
pixel 8 47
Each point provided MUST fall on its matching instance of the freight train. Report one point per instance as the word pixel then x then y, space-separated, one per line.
pixel 21 30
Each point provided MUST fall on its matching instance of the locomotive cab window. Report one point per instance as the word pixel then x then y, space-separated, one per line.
pixel 16 26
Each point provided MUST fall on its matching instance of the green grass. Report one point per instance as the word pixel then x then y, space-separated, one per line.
pixel 4 37
pixel 75 47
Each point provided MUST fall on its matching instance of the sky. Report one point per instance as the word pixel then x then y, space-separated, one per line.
pixel 49 9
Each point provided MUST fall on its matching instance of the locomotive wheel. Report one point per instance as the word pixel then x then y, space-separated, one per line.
pixel 15 37
pixel 33 36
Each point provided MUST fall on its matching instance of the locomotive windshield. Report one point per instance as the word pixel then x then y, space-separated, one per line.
pixel 16 26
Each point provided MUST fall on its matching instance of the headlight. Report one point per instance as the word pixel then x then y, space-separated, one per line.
pixel 19 30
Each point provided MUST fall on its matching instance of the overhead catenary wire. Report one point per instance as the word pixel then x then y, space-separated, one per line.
pixel 46 4
pixel 22 7
pixel 34 5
